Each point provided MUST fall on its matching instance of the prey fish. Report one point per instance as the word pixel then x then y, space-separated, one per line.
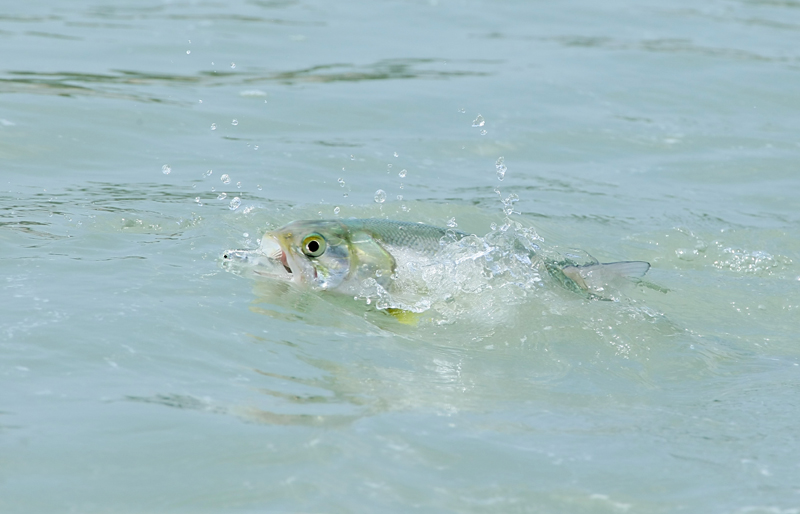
pixel 340 255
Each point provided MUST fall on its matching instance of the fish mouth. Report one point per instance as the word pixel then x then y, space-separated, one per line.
pixel 269 261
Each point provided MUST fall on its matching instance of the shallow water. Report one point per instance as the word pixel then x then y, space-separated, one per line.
pixel 140 375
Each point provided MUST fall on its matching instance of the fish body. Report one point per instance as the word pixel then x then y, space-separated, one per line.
pixel 343 255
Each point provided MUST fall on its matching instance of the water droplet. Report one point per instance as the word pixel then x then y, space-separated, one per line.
pixel 208 173
pixel 401 186
pixel 352 157
pixel 200 101
pixel 478 122
pixel 235 122
pixel 493 226
pixel 501 168
pixel 380 196
pixel 197 199
pixel 258 186
pixel 399 197
pixel 345 195
pixel 213 126
pixel 483 132
pixel 245 234
pixel 255 147
pixel 396 154
pixel 388 166
pixel 188 52
pixel 222 196
pixel 462 110
pixel 165 169
pixel 213 189
pixel 235 203
pixel 239 185
pixel 341 182
pixel 225 179
pixel 452 223
pixel 233 65
pixel 402 173
pixel 336 210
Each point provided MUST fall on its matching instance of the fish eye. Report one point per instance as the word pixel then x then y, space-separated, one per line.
pixel 314 245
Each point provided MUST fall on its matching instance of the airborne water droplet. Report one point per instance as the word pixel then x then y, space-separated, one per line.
pixel 208 173
pixel 396 154
pixel 501 168
pixel 235 122
pixel 188 52
pixel 239 185
pixel 165 169
pixel 225 179
pixel 462 110
pixel 222 196
pixel 213 126
pixel 235 203
pixel 258 186
pixel 233 65
pixel 402 173
pixel 380 196
pixel 483 132
pixel 452 223
pixel 336 210
pixel 341 182
pixel 478 122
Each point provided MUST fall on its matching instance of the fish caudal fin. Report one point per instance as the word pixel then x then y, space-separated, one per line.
pixel 594 277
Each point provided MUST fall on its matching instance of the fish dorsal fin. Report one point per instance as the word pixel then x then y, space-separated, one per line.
pixel 596 276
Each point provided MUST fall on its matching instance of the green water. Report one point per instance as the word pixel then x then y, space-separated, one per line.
pixel 138 375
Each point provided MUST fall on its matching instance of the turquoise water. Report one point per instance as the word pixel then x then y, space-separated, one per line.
pixel 139 375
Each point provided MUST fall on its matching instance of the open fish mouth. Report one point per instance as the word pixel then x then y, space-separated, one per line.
pixel 269 260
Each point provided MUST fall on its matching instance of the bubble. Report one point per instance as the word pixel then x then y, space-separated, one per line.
pixel 233 65
pixel 452 223
pixel 225 178
pixel 235 122
pixel 341 182
pixel 336 210
pixel 402 173
pixel 208 173
pixel 478 122
pixel 213 126
pixel 222 196
pixel 165 169
pixel 235 203
pixel 380 196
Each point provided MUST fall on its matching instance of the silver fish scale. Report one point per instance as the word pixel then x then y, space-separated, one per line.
pixel 416 236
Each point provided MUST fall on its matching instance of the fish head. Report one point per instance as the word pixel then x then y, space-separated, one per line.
pixel 313 253
pixel 328 254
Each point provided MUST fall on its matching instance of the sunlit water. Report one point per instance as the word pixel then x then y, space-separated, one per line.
pixel 139 141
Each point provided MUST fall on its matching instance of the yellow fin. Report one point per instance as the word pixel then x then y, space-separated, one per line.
pixel 405 317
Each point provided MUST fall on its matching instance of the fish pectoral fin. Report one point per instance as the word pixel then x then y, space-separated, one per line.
pixel 596 276
pixel 404 317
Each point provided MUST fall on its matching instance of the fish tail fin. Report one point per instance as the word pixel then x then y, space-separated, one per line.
pixel 595 276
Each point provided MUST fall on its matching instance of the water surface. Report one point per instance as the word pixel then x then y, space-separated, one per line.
pixel 139 141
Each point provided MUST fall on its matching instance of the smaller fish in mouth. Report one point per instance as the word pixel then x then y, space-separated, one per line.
pixel 343 255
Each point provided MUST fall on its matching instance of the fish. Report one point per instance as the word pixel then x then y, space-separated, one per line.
pixel 342 255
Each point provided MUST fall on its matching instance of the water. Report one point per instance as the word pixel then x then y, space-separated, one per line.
pixel 139 375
